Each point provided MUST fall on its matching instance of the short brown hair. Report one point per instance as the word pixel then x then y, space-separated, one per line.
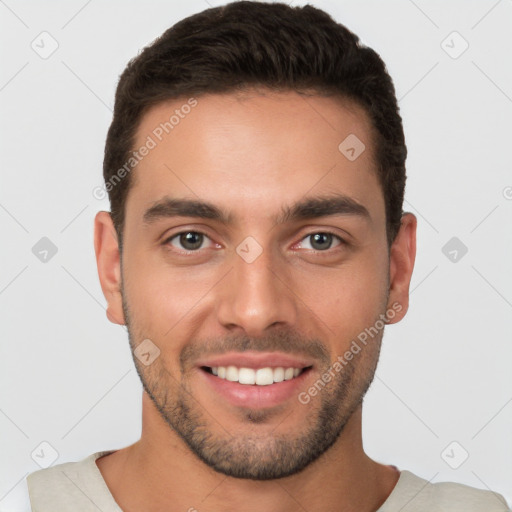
pixel 246 43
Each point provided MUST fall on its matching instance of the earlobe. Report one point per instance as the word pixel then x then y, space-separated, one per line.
pixel 401 265
pixel 106 247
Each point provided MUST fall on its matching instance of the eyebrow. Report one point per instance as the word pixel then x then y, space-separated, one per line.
pixel 309 208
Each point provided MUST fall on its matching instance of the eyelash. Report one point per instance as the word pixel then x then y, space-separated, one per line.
pixel 167 241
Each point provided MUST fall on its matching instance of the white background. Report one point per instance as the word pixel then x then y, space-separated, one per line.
pixel 67 376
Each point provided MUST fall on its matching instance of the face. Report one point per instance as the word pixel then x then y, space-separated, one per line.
pixel 254 262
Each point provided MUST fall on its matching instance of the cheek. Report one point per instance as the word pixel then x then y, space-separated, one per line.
pixel 161 297
pixel 350 298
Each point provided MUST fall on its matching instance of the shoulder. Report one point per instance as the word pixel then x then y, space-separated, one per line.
pixel 67 485
pixel 415 494
pixel 468 498
pixel 62 474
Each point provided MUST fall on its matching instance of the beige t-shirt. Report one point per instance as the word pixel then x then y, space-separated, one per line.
pixel 80 487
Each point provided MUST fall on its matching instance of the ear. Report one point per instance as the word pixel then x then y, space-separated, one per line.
pixel 401 264
pixel 108 259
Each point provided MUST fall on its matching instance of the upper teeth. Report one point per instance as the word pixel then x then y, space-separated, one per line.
pixel 260 377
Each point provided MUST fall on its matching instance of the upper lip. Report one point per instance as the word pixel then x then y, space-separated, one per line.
pixel 256 360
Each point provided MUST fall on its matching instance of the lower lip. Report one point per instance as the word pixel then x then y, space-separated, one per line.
pixel 254 396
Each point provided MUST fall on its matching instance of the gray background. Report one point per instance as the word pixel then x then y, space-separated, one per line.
pixel 444 375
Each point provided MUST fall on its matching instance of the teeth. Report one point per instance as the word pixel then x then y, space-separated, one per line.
pixel 264 376
pixel 260 377
pixel 247 376
pixel 232 373
pixel 278 374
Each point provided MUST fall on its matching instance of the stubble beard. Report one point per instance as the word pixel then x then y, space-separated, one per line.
pixel 257 456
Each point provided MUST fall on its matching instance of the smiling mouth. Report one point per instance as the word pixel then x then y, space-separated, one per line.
pixel 256 376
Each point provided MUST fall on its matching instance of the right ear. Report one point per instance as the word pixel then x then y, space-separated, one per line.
pixel 108 261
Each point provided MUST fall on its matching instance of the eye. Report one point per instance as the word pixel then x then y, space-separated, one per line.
pixel 322 241
pixel 188 240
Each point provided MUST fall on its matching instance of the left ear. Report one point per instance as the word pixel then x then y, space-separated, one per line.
pixel 401 264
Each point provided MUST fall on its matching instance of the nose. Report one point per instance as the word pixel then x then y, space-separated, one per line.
pixel 257 296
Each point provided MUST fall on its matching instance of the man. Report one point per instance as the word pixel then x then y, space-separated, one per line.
pixel 244 139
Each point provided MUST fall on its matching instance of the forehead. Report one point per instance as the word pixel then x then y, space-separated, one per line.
pixel 255 150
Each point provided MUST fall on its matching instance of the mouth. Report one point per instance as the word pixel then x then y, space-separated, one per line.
pixel 265 376
pixel 254 380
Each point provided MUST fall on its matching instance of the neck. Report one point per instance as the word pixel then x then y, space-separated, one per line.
pixel 159 470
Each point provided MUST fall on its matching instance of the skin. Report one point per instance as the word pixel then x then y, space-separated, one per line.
pixel 252 154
